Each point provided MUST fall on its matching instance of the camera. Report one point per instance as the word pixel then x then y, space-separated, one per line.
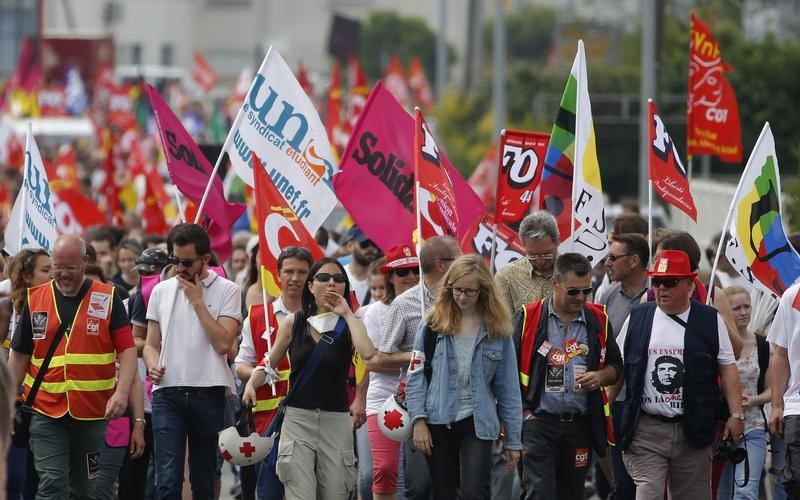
pixel 729 451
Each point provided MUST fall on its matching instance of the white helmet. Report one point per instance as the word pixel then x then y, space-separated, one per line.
pixel 240 450
pixel 394 420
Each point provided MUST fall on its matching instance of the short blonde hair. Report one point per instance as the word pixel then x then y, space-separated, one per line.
pixel 445 315
pixel 732 290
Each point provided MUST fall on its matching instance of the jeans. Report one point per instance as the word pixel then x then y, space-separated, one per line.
pixel 185 413
pixel 417 477
pixel 778 448
pixel 457 453
pixel 364 463
pixel 16 472
pixel 111 459
pixel 755 442
pixel 623 488
pixel 133 478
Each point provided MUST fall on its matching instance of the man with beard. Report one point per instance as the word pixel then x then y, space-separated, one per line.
pixel 363 251
pixel 667 377
pixel 192 322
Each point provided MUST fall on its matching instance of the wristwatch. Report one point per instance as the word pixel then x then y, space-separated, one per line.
pixel 740 416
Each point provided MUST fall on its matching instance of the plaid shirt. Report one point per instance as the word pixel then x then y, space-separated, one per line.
pixel 520 285
pixel 403 319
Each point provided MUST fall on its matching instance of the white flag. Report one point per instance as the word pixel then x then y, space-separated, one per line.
pixel 32 223
pixel 279 123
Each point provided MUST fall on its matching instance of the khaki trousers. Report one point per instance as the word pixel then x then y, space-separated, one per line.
pixel 315 455
pixel 660 454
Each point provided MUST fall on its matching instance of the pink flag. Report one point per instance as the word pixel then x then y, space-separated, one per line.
pixel 376 178
pixel 189 171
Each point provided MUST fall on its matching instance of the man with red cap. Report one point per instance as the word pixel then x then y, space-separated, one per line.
pixel 675 350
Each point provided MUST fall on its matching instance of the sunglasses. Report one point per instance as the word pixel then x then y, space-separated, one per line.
pixel 326 277
pixel 614 258
pixel 184 262
pixel 573 292
pixel 402 273
pixel 366 244
pixel 469 292
pixel 543 257
pixel 666 282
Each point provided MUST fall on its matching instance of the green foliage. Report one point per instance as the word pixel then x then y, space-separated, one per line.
pixel 529 32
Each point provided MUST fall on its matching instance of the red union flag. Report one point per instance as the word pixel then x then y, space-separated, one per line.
pixel 434 199
pixel 665 168
pixel 479 241
pixel 522 155
pixel 278 227
pixel 203 74
pixel 712 113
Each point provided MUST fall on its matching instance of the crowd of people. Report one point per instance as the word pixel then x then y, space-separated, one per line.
pixel 397 375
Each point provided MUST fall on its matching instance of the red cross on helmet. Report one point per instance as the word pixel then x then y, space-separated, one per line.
pixel 240 450
pixel 394 420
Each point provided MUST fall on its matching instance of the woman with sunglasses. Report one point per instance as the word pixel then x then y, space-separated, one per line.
pixel 473 383
pixel 315 455
pixel 400 272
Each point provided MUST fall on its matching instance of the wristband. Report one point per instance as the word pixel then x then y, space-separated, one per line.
pixel 140 419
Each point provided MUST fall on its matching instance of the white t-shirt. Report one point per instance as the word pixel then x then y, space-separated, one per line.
pixel 189 358
pixel 663 385
pixel 381 385
pixel 785 332
pixel 359 288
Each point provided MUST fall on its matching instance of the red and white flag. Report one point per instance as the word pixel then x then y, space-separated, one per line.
pixel 395 81
pixel 519 173
pixel 418 81
pixel 203 74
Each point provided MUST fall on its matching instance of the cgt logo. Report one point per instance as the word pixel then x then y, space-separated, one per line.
pixel 93 327
pixel 581 457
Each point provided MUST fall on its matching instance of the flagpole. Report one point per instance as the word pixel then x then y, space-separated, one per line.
pixel 496 200
pixel 267 334
pixel 730 214
pixel 689 180
pixel 575 170
pixel 228 139
pixel 418 214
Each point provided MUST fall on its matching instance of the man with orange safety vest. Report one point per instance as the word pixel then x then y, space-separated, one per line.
pixel 567 356
pixel 79 392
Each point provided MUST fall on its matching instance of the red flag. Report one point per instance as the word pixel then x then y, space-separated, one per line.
pixel 203 74
pixel 52 101
pixel 302 79
pixel 110 190
pixel 74 211
pixel 395 81
pixel 190 171
pixel 712 113
pixel 419 84
pixel 356 100
pixel 519 173
pixel 333 117
pixel 481 179
pixel 151 211
pixel 434 197
pixel 278 227
pixel 665 168
pixel 479 241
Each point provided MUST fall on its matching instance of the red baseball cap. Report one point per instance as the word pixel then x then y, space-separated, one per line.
pixel 672 263
pixel 400 257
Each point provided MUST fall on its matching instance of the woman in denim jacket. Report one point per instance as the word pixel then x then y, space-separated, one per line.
pixel 473 383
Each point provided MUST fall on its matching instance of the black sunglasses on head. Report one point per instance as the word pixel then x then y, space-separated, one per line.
pixel 404 272
pixel 666 282
pixel 326 277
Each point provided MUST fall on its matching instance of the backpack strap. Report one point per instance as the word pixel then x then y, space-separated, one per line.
pixel 763 360
pixel 430 350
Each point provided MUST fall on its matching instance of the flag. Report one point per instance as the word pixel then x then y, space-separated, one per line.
pixel 376 182
pixel 279 123
pixel 712 113
pixel 52 101
pixel 20 91
pixel 519 173
pixel 481 180
pixel 356 99
pixel 76 97
pixel 12 151
pixel 419 84
pixel 758 248
pixel 570 186
pixel 479 241
pixel 665 168
pixel 110 190
pixel 278 228
pixel 395 81
pixel 302 79
pixel 203 73
pixel 435 199
pixel 149 207
pixel 333 115
pixel 32 223
pixel 190 172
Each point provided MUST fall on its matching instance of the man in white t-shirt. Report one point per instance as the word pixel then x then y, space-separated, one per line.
pixel 674 350
pixel 192 321
pixel 784 367
pixel 363 251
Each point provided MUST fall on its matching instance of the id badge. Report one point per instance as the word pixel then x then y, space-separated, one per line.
pixel 554 379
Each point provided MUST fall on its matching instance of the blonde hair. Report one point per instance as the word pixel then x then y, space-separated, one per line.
pixel 732 290
pixel 445 316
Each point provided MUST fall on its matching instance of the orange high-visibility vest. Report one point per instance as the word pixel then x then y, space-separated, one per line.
pixel 267 401
pixel 81 376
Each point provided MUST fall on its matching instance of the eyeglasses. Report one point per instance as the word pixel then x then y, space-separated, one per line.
pixel 70 269
pixel 469 292
pixel 326 277
pixel 614 258
pixel 402 273
pixel 666 282
pixel 573 292
pixel 184 262
pixel 544 256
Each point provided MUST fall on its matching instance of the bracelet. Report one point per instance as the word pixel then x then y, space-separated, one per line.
pixel 140 419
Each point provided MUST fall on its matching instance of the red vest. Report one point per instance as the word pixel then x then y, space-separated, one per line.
pixel 267 400
pixel 81 376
